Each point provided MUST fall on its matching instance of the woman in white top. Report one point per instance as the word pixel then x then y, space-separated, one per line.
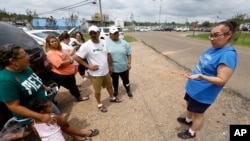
pixel 65 43
pixel 79 40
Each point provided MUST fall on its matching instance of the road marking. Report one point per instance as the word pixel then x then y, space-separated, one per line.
pixel 173 52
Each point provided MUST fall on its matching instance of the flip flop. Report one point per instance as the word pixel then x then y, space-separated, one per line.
pixel 116 100
pixel 84 98
pixel 102 109
pixel 93 133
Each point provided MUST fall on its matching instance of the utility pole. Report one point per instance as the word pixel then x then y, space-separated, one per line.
pixel 160 13
pixel 100 5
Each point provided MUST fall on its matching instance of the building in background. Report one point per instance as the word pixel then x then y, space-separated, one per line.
pixel 56 24
pixel 119 22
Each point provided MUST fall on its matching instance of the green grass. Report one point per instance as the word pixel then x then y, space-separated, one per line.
pixel 85 36
pixel 243 38
pixel 130 38
pixel 127 38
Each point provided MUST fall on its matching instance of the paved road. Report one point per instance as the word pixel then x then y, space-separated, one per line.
pixel 185 52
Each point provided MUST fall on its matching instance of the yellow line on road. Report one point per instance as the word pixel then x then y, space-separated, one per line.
pixel 173 52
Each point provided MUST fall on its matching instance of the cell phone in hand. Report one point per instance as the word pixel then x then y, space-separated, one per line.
pixel 52 91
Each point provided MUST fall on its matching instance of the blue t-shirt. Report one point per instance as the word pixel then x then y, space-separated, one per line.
pixel 204 91
pixel 119 51
pixel 22 86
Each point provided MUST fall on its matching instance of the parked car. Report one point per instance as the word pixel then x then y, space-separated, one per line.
pixel 168 29
pixel 158 29
pixel 13 35
pixel 182 29
pixel 41 35
pixel 37 35
pixel 145 29
pixel 245 27
pixel 104 33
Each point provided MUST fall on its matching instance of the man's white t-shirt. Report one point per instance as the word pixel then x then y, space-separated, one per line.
pixel 96 54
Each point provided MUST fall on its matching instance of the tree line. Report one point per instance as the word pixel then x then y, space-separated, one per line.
pixel 13 17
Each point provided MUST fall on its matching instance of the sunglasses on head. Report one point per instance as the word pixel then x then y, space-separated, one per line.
pixel 10 50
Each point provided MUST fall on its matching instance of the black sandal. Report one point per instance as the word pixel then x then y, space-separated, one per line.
pixel 93 133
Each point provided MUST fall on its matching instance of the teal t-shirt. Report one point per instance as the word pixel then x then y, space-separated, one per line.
pixel 25 85
pixel 119 51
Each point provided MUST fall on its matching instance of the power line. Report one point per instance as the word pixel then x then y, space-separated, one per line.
pixel 80 5
pixel 68 7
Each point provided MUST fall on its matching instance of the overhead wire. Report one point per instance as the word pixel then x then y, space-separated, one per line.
pixel 68 7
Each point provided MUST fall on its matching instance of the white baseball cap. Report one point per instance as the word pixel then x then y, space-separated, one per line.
pixel 113 29
pixel 93 28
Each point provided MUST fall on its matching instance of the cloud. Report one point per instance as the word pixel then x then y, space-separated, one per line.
pixel 142 10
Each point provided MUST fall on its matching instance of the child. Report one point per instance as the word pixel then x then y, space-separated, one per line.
pixel 53 132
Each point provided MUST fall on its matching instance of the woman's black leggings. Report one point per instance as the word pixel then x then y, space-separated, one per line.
pixel 125 79
pixel 68 82
pixel 81 68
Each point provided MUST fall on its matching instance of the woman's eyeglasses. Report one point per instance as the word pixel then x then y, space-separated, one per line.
pixel 216 36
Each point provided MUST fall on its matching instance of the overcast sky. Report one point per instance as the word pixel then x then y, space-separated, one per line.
pixel 178 11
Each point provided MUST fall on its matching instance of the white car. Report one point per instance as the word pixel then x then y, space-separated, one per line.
pixel 104 33
pixel 41 35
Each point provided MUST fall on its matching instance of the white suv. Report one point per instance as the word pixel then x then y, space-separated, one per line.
pixel 104 33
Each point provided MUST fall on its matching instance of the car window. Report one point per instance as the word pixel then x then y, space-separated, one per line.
pixel 105 30
pixel 53 33
pixel 120 29
pixel 40 34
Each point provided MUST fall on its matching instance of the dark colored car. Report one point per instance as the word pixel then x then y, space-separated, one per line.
pixel 10 34
pixel 13 35
pixel 168 29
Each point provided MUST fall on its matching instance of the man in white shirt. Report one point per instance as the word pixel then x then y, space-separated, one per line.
pixel 99 65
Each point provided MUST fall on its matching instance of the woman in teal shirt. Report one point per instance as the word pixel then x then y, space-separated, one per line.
pixel 20 85
pixel 121 60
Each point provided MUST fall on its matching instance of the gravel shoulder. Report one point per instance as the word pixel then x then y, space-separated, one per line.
pixel 158 88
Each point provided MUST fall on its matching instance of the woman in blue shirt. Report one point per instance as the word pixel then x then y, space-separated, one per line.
pixel 216 66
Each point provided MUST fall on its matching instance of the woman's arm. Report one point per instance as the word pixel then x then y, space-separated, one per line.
pixel 68 60
pixel 223 75
pixel 85 64
pixel 129 61
pixel 110 63
pixel 14 106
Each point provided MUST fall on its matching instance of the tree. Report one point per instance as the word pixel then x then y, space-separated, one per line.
pixel 71 21
pixel 239 18
pixel 30 15
pixel 206 24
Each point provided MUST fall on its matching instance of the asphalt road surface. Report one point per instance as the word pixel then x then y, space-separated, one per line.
pixel 185 52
